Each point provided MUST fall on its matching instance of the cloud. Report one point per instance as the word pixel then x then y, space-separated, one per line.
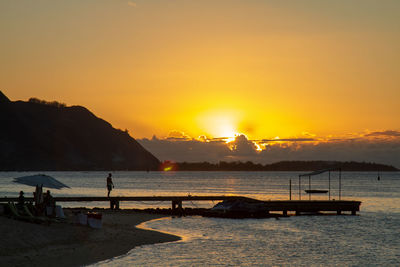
pixel 186 150
pixel 242 147
pixel 385 133
pixel 178 135
pixel 364 150
pixel 289 140
pixel 181 148
pixel 131 4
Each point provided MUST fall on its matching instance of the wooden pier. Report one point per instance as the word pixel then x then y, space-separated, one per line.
pixel 312 206
pixel 284 206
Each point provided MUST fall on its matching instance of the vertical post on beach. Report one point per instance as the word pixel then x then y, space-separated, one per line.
pixel 290 189
pixel 176 204
pixel 329 185
pixel 114 204
pixel 340 184
pixel 299 187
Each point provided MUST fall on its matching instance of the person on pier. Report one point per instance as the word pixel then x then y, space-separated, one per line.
pixel 110 184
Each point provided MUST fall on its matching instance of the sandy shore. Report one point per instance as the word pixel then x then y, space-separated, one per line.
pixel 66 244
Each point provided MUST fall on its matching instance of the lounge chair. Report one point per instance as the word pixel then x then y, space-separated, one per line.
pixel 15 214
pixel 27 216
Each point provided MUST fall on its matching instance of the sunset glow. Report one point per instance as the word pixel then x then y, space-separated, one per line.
pixel 220 124
pixel 214 68
pixel 200 133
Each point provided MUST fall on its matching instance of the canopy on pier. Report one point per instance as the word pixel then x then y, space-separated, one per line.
pixel 319 172
pixel 310 191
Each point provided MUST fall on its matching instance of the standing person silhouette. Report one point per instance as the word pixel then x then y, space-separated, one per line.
pixel 110 184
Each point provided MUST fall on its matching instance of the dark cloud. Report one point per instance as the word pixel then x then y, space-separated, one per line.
pixel 289 140
pixel 385 133
pixel 242 147
pixel 187 150
pixel 176 139
pixel 178 135
pixel 213 150
pixel 368 151
pixel 222 139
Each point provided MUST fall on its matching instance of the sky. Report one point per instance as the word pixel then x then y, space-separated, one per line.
pixel 318 76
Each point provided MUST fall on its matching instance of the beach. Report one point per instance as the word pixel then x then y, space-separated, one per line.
pixel 68 244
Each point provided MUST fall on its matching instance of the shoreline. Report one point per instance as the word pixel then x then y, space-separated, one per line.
pixel 67 244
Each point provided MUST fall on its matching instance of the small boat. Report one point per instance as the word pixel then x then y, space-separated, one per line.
pixel 316 191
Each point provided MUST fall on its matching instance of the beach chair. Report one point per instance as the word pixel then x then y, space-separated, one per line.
pixel 30 215
pixel 15 214
pixel 27 216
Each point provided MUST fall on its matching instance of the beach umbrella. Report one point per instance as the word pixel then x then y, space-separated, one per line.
pixel 40 180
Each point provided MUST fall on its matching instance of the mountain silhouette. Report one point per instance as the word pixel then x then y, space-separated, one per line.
pixel 39 135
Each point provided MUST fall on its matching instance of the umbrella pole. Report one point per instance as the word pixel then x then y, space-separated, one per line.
pixel 38 195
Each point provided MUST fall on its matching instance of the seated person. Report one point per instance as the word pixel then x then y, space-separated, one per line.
pixel 49 204
pixel 21 200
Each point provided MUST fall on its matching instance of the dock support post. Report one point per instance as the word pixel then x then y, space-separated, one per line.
pixel 329 185
pixel 340 184
pixel 114 204
pixel 299 187
pixel 284 213
pixel 176 204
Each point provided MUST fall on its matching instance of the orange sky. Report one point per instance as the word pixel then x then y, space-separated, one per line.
pixel 215 68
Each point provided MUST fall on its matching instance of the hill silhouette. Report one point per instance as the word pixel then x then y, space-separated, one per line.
pixel 40 135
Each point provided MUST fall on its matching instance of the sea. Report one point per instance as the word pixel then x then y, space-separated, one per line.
pixel 371 238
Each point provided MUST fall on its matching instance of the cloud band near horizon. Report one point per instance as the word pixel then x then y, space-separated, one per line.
pixel 379 147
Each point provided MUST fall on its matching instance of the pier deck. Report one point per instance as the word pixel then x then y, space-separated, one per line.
pixel 306 206
pixel 284 206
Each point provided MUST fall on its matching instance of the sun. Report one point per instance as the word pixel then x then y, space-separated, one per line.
pixel 219 124
pixel 225 129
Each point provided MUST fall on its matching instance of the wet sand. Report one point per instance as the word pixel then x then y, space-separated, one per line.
pixel 67 244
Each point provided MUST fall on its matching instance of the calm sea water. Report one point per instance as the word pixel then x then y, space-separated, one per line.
pixel 370 239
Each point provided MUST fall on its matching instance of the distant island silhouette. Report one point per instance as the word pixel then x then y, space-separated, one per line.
pixel 278 166
pixel 40 135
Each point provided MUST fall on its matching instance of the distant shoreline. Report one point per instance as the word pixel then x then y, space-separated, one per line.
pixel 373 171
pixel 298 166
pixel 39 171
pixel 286 166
